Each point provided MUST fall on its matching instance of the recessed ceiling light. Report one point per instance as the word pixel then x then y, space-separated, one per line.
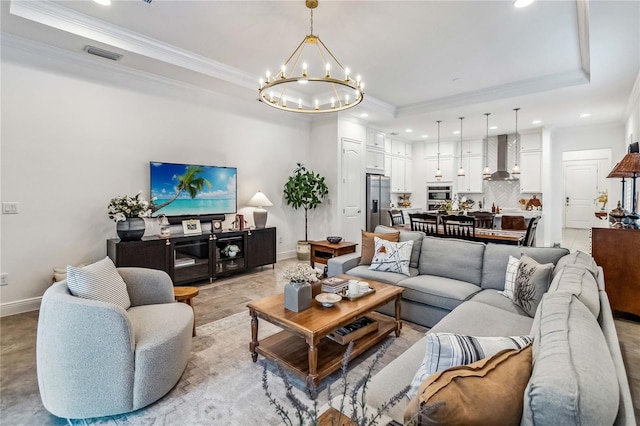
pixel 364 114
pixel 408 130
pixel 103 2
pixel 585 115
pixel 456 132
pixel 536 122
pixel 425 136
pixel 522 3
pixel 493 127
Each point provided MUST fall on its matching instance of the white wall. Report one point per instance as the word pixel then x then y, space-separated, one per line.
pixel 575 139
pixel 70 144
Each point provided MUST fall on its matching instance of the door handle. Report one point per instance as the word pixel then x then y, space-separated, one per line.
pixel 567 201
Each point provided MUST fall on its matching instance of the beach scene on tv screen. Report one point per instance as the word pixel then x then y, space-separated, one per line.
pixel 183 189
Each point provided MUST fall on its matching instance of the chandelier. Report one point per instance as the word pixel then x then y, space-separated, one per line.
pixel 296 89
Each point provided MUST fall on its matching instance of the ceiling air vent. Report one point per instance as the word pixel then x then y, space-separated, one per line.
pixel 102 53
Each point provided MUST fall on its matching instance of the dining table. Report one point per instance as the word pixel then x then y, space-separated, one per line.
pixel 497 236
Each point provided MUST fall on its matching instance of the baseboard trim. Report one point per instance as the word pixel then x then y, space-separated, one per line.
pixel 20 306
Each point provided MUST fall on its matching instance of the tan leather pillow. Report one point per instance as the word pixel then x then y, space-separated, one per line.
pixel 489 391
pixel 368 244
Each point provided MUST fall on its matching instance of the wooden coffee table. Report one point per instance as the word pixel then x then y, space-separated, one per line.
pixel 302 346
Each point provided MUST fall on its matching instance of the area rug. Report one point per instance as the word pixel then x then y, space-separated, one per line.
pixel 223 386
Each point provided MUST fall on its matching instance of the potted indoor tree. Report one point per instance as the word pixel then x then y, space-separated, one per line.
pixel 304 189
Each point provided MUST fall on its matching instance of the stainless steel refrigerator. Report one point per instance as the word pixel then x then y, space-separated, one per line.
pixel 378 201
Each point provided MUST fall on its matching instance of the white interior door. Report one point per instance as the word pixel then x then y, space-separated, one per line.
pixel 352 190
pixel 580 191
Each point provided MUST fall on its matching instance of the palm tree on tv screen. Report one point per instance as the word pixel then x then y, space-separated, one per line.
pixel 190 181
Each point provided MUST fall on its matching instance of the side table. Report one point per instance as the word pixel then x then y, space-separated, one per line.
pixel 322 251
pixel 185 294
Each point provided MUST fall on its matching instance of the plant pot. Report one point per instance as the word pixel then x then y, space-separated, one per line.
pixel 297 296
pixel 131 229
pixel 303 250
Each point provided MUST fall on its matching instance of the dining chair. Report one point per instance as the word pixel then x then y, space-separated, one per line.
pixel 397 217
pixel 516 223
pixel 530 237
pixel 459 226
pixel 424 222
pixel 484 220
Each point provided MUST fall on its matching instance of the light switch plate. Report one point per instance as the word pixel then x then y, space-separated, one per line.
pixel 9 207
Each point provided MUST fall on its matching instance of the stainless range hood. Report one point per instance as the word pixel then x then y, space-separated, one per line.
pixel 502 174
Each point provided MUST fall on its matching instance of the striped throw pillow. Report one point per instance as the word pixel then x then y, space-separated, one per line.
pixel 446 350
pixel 98 281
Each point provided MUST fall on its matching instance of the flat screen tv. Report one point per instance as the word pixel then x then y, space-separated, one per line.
pixel 192 189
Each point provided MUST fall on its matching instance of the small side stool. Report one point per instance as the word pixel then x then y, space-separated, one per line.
pixel 185 294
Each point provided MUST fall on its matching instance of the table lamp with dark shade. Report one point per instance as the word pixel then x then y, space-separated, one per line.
pixel 259 200
pixel 622 175
pixel 630 165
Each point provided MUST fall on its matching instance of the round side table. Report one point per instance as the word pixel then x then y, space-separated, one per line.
pixel 185 294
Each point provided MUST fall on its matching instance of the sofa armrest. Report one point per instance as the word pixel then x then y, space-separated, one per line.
pixel 147 286
pixel 341 264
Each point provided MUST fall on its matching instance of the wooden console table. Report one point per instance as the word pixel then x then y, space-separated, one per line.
pixel 616 250
pixel 322 251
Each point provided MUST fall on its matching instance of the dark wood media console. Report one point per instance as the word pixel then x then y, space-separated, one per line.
pixel 195 258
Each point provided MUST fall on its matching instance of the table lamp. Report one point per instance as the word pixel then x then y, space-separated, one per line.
pixel 259 200
pixel 630 163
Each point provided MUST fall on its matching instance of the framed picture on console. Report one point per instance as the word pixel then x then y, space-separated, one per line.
pixel 191 227
pixel 216 226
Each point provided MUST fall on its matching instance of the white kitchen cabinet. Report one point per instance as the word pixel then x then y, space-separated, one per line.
pixel 375 140
pixel 446 167
pixel 473 147
pixel 401 175
pixel 530 142
pixel 400 148
pixel 471 182
pixel 530 171
pixel 431 149
pixel 408 149
pixel 375 161
pixel 387 145
pixel 387 165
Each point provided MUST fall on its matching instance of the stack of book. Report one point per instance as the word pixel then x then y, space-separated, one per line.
pixel 334 285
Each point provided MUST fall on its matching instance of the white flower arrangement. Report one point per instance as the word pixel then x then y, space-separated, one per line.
pixel 121 208
pixel 299 273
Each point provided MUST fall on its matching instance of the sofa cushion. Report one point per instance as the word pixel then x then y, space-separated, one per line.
pixel 578 280
pixel 368 244
pixel 446 350
pixel 364 272
pixel 479 319
pixel 437 291
pixel 487 392
pixel 391 257
pixel 532 282
pixel 573 379
pixel 415 236
pixel 98 281
pixel 451 258
pixel 496 257
pixel 577 258
pixel 494 298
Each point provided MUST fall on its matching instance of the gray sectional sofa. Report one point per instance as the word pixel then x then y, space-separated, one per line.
pixel 578 373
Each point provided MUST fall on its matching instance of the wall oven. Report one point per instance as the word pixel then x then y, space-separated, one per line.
pixel 437 194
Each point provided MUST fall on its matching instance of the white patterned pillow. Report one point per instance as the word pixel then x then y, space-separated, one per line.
pixel 391 257
pixel 446 350
pixel 510 277
pixel 98 281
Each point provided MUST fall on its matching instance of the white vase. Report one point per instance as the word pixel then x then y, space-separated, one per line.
pixel 297 296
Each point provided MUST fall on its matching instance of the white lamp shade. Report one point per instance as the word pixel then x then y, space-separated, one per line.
pixel 259 200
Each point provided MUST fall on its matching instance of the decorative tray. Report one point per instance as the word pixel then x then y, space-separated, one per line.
pixel 345 294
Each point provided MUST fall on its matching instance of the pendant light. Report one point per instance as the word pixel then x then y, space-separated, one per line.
pixel 461 169
pixel 487 171
pixel 438 172
pixel 516 169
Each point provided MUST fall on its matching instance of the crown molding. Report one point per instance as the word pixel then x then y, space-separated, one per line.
pixel 518 88
pixel 582 9
pixel 62 18
pixel 91 68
